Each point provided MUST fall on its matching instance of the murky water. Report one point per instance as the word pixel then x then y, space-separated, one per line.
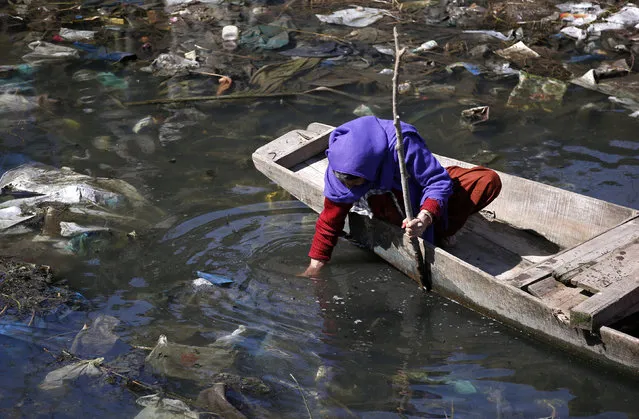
pixel 362 341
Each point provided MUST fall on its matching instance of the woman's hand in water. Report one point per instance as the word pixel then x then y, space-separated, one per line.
pixel 313 269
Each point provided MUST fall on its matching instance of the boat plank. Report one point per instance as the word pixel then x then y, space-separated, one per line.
pixel 295 146
pixel 533 248
pixel 574 257
pixel 619 265
pixel 594 250
pixel 608 306
pixel 557 296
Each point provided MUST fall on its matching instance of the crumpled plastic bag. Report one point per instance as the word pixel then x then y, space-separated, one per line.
pixel 358 17
pixel 46 51
pixel 98 339
pixel 56 379
pixel 49 184
pixel 271 77
pixel 157 407
pixel 265 37
pixel 627 16
pixel 196 363
pixel 11 216
pixel 167 65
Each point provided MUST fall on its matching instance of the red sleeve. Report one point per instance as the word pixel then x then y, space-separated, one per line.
pixel 432 206
pixel 329 225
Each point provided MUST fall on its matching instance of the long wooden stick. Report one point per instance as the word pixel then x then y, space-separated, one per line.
pixel 399 145
pixel 424 281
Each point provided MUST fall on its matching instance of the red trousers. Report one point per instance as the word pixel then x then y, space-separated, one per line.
pixel 473 190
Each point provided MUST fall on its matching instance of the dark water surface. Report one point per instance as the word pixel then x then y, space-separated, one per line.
pixel 362 341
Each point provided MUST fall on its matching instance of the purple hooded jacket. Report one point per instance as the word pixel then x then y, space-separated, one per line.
pixel 365 147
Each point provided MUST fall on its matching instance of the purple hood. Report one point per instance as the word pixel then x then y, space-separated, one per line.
pixel 365 147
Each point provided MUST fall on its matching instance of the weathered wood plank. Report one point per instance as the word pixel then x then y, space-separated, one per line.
pixel 531 247
pixel 307 148
pixel 619 345
pixel 557 296
pixel 606 307
pixel 619 265
pixel 583 253
pixel 294 147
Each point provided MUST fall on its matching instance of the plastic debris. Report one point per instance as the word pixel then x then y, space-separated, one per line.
pixel 426 46
pixel 320 50
pixel 265 37
pixel 578 14
pixel 612 69
pixel 358 17
pixel 574 32
pixel 596 28
pixel 112 81
pixel 100 53
pixel 158 407
pixel 214 400
pixel 48 184
pixel 167 65
pixel 214 279
pixel 385 49
pixel 517 52
pixel 70 229
pixel 198 363
pixel 621 87
pixel 230 33
pixel 474 116
pixel 473 69
pixel 97 339
pixel 12 216
pixel 535 92
pixel 45 51
pixel 493 34
pixel 363 110
pixel 57 379
pixel 463 387
pixel 271 77
pixel 627 16
pixel 143 123
pixel 75 35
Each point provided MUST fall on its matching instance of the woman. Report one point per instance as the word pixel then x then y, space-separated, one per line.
pixel 363 171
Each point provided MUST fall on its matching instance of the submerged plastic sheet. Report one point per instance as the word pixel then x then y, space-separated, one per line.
pixel 322 50
pixel 214 279
pixel 102 53
pixel 265 37
pixel 271 77
pixel 46 51
pixel 156 406
pixel 196 363
pixel 623 87
pixel 65 186
pixel 58 378
pixel 535 92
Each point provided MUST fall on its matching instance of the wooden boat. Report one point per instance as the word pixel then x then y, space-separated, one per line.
pixel 557 264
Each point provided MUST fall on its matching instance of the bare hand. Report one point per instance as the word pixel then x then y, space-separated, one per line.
pixel 419 224
pixel 313 269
